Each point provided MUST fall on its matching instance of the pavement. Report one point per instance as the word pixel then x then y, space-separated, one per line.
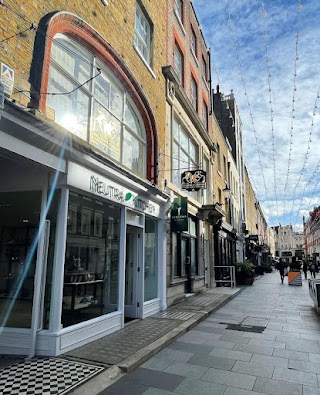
pixel 264 341
pixel 92 368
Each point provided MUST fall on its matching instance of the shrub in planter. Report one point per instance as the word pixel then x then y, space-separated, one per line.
pixel 244 272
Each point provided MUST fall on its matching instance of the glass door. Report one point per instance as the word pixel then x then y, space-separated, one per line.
pixel 133 263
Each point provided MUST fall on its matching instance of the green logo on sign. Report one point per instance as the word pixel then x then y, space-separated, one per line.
pixel 128 196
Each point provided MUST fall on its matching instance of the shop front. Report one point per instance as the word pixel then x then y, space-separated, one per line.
pixel 81 254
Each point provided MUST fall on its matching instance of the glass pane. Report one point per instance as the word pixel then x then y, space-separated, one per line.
pixel 184 254
pixel 175 130
pixel 102 89
pixel 71 110
pixel 178 62
pixel 132 121
pixel 133 154
pixel 194 265
pixel 70 57
pixel 116 102
pixel 184 139
pixel 192 227
pixel 193 151
pixel 105 132
pixel 19 221
pixel 151 261
pixel 175 264
pixel 92 262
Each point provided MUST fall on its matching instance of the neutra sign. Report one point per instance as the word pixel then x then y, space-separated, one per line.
pixel 86 180
pixel 179 214
pixel 103 188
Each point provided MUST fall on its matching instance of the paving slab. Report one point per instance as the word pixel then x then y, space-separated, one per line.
pixel 237 355
pixel 253 369
pixel 298 355
pixel 186 370
pixel 212 362
pixel 192 387
pixel 233 379
pixel 276 387
pixel 161 380
pixel 295 376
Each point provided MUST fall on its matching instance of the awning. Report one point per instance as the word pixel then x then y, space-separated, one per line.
pixel 211 213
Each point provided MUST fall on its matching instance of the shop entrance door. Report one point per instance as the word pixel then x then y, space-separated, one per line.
pixel 186 262
pixel 133 270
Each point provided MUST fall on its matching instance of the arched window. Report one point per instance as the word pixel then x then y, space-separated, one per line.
pixel 101 112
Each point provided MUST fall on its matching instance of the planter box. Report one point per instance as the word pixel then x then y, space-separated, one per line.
pixel 294 278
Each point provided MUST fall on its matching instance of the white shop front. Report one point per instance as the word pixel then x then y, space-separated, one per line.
pixel 97 263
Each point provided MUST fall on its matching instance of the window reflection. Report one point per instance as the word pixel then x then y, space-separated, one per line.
pixel 92 259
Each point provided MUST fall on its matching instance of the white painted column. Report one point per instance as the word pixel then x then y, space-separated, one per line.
pixel 58 263
pixel 36 305
pixel 162 263
pixel 122 251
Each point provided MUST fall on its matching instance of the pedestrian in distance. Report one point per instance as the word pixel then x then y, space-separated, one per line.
pixel 313 269
pixel 281 269
pixel 305 269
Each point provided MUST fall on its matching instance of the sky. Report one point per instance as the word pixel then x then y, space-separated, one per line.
pixel 268 53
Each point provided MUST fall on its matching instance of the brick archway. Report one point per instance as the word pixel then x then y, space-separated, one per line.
pixel 76 28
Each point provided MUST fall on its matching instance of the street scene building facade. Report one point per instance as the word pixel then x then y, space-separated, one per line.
pixel 123 188
pixel 82 246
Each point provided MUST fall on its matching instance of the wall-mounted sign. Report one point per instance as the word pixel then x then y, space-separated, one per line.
pixel 83 178
pixel 7 79
pixel 179 214
pixel 254 238
pixel 193 180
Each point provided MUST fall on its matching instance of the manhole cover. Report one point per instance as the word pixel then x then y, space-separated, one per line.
pixel 244 328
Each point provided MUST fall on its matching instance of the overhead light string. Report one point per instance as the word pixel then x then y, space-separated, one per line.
pixel 243 80
pixel 307 152
pixel 267 64
pixel 299 8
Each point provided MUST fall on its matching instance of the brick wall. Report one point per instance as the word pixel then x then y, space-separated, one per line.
pixel 180 32
pixel 115 23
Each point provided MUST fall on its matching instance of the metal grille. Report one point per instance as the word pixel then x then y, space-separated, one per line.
pixel 174 315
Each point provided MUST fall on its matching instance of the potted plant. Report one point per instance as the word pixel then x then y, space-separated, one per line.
pixel 244 272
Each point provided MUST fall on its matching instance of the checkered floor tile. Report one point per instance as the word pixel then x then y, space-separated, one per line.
pixel 45 376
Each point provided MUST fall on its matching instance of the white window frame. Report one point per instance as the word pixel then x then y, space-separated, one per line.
pixel 194 93
pixel 138 39
pixel 179 67
pixel 88 90
pixel 178 9
pixel 191 163
pixel 205 115
pixel 194 47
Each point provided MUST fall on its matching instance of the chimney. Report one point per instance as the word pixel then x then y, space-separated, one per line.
pixel 218 89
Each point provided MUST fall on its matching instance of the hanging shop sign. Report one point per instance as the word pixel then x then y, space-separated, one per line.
pixel 179 215
pixel 193 180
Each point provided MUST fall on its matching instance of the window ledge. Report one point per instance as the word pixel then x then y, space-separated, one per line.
pixel 145 62
pixel 177 281
pixel 180 22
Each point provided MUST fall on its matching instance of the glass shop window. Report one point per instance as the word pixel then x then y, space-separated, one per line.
pixel 92 260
